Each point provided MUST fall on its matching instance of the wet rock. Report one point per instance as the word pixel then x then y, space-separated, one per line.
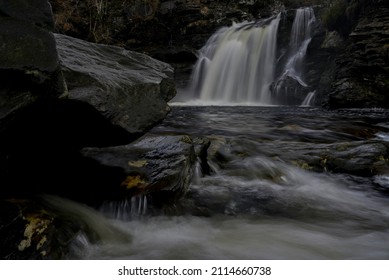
pixel 156 166
pixel 332 40
pixel 289 90
pixel 128 88
pixel 30 230
pixel 361 158
pixel 362 67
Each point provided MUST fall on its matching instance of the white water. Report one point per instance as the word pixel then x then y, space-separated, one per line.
pixel 237 64
pixel 301 36
pixel 254 205
pixel 309 99
pixel 316 217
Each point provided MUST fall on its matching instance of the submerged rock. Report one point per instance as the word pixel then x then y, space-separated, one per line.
pixel 128 88
pixel 361 158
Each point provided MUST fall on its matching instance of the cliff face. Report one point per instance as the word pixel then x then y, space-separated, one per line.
pixel 361 74
pixel 170 30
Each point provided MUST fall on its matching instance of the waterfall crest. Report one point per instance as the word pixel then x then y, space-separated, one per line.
pixel 237 64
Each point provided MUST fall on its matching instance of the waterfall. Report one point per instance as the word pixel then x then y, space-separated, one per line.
pixel 237 64
pixel 309 99
pixel 291 84
pixel 127 209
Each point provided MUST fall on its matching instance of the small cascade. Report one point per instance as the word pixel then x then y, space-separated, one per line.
pixel 237 64
pixel 127 209
pixel 308 99
pixel 290 86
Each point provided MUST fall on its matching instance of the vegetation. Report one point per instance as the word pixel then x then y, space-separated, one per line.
pixel 97 20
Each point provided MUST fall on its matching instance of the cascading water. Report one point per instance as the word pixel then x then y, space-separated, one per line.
pixel 291 83
pixel 237 64
pixel 309 99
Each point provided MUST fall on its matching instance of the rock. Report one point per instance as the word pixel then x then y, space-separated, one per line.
pixel 361 158
pixel 29 231
pixel 128 88
pixel 156 26
pixel 37 12
pixel 39 151
pixel 29 65
pixel 289 90
pixel 332 40
pixel 362 70
pixel 156 166
pixel 50 227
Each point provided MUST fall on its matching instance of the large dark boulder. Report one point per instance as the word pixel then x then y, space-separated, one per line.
pixel 157 166
pixel 39 151
pixel 29 65
pixel 130 89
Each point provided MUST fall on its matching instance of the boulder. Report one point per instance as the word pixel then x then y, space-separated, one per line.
pixel 364 158
pixel 157 166
pixel 39 150
pixel 37 12
pixel 29 65
pixel 48 228
pixel 361 158
pixel 130 89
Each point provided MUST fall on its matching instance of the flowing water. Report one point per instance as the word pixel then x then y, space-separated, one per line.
pixel 253 204
pixel 300 37
pixel 237 64
pixel 254 197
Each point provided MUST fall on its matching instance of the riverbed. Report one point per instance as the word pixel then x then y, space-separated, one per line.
pixel 256 197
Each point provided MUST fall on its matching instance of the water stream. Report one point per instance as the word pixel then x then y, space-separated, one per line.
pixel 255 204
pixel 237 64
pixel 260 197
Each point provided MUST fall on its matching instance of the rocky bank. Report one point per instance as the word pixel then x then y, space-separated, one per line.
pixel 59 95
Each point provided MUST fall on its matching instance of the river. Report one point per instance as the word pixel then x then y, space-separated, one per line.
pixel 256 200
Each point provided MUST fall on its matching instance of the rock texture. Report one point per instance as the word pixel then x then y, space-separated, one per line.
pixel 362 69
pixel 29 65
pixel 128 88
pixel 166 29
pixel 114 96
pixel 157 166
